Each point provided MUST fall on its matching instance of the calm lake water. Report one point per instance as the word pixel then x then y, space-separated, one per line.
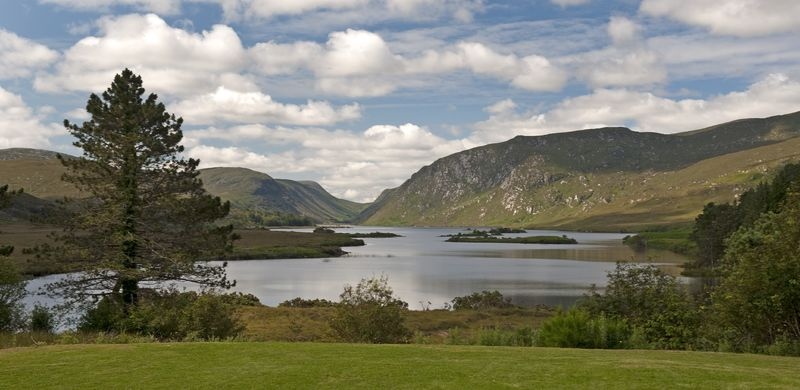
pixel 423 268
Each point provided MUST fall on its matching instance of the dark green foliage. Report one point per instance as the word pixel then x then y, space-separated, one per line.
pixel 718 222
pixel 12 285
pixel 249 219
pixel 503 230
pixel 481 301
pixel 373 235
pixel 42 320
pixel 240 299
pixel 514 240
pixel 5 199
pixel 369 313
pixel 649 300
pixel 323 230
pixel 579 329
pixel 149 218
pixel 711 228
pixel 300 302
pixel 758 300
pixel 168 315
pixel 12 290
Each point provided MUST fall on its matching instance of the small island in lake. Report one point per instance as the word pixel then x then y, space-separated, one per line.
pixel 373 235
pixel 515 240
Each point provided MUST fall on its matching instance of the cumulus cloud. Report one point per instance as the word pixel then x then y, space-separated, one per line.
pixel 742 18
pixel 19 57
pixel 361 63
pixel 170 59
pixel 623 30
pixel 163 7
pixel 773 95
pixel 358 165
pixel 225 105
pixel 569 3
pixel 20 126
pixel 257 10
pixel 627 62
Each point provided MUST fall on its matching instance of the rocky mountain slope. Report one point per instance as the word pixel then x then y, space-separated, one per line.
pixel 600 179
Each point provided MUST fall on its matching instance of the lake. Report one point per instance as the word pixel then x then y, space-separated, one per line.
pixel 426 271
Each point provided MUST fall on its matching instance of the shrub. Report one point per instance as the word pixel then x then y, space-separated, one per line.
pixel 168 315
pixel 651 300
pixel 369 313
pixel 481 301
pixel 579 329
pixel 300 302
pixel 42 320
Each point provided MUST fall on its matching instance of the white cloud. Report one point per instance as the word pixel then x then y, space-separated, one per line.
pixel 225 105
pixel 169 59
pixel 569 3
pixel 19 57
pixel 162 7
pixel 775 94
pixel 356 165
pixel 742 18
pixel 345 11
pixel 627 62
pixel 361 63
pixel 623 30
pixel 20 126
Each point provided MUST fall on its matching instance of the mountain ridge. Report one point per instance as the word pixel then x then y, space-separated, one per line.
pixel 536 180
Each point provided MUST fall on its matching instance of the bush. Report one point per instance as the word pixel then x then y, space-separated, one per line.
pixel 168 315
pixel 481 301
pixel 42 320
pixel 523 337
pixel 369 313
pixel 579 329
pixel 306 303
pixel 650 300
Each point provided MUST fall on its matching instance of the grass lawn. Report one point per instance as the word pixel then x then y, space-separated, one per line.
pixel 311 365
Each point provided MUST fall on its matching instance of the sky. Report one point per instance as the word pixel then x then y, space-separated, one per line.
pixel 360 94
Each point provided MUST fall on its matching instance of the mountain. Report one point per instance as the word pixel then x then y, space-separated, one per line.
pixel 251 190
pixel 38 172
pixel 599 179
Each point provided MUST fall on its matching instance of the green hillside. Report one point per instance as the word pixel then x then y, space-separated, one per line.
pixel 311 365
pixel 38 172
pixel 599 179
pixel 250 190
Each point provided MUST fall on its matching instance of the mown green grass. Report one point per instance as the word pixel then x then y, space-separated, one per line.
pixel 312 365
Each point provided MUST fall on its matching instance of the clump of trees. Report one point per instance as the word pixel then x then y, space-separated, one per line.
pixel 757 302
pixel 718 222
pixel 370 313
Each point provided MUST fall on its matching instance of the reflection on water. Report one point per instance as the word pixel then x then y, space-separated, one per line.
pixel 423 268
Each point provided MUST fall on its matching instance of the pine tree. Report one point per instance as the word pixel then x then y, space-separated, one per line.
pixel 148 218
pixel 12 286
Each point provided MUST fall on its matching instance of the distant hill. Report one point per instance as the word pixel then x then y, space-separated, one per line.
pixel 600 179
pixel 251 190
pixel 38 172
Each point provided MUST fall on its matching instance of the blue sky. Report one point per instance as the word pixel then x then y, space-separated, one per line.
pixel 360 94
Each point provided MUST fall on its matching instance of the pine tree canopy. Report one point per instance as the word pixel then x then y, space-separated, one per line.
pixel 148 219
